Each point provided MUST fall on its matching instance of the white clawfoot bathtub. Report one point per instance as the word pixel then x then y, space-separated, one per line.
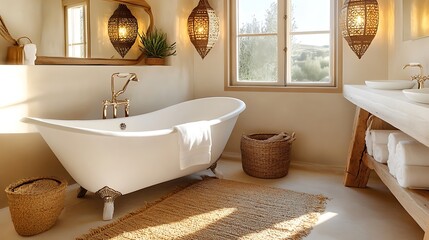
pixel 105 159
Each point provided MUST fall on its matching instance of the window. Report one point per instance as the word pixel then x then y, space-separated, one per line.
pixel 284 43
pixel 76 28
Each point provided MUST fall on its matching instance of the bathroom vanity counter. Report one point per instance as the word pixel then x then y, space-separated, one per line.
pixel 391 108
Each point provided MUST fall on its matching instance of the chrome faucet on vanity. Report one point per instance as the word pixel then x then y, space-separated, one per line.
pixel 419 78
pixel 115 102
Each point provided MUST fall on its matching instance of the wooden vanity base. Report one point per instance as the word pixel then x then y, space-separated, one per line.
pixel 360 164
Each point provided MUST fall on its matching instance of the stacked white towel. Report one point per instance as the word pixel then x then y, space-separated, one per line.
pixel 195 142
pixel 412 167
pixel 393 140
pixel 376 144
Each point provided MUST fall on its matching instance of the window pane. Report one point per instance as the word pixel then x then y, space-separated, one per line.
pixel 310 58
pixel 257 59
pixel 76 31
pixel 310 15
pixel 76 51
pixel 257 16
pixel 76 24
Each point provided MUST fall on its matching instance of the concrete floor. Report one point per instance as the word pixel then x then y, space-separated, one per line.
pixel 371 213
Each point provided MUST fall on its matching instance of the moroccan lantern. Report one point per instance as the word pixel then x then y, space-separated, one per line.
pixel 359 24
pixel 203 27
pixel 123 29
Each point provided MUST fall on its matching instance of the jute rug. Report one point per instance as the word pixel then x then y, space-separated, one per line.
pixel 220 209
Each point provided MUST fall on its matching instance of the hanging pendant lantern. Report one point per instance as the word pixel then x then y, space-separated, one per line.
pixel 122 29
pixel 203 27
pixel 359 24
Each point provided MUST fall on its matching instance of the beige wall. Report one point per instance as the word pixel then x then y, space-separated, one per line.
pixel 76 92
pixel 28 25
pixel 402 51
pixel 322 122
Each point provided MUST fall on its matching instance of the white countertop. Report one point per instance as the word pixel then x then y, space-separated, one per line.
pixel 393 107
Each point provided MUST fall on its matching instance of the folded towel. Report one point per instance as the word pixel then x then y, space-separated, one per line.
pixel 414 177
pixel 277 137
pixel 380 152
pixel 412 153
pixel 393 140
pixel 195 143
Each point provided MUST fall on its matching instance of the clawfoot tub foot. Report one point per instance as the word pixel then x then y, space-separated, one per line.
pixel 216 172
pixel 82 192
pixel 108 195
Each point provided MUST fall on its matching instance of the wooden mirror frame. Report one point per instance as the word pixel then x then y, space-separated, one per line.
pixel 42 60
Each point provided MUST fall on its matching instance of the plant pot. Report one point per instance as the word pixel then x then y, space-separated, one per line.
pixel 155 61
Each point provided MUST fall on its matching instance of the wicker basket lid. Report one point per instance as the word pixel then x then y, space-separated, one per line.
pixel 37 186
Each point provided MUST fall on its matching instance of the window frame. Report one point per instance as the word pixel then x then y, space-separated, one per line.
pixel 87 42
pixel 282 85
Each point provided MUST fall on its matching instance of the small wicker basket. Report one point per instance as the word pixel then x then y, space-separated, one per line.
pixel 35 203
pixel 264 158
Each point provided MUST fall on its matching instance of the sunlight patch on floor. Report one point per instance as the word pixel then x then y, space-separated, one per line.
pixel 193 224
pixel 326 217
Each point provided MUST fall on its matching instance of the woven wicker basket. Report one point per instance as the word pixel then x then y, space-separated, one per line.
pixel 35 203
pixel 263 158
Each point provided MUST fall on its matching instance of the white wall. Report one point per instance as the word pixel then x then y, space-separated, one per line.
pixel 322 122
pixel 76 92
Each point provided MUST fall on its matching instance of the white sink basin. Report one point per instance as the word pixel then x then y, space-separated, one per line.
pixel 390 84
pixel 417 95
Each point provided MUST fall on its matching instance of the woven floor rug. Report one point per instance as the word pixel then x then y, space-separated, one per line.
pixel 220 209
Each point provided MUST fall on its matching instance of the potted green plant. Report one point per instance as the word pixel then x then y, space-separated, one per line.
pixel 155 47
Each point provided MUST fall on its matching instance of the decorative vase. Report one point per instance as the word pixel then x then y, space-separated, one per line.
pixel 155 61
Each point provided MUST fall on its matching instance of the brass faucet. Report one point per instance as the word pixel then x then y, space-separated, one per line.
pixel 419 78
pixel 114 101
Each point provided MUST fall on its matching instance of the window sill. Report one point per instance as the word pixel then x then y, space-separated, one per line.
pixel 284 89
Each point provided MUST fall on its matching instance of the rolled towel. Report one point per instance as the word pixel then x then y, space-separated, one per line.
pixel 414 177
pixel 377 137
pixel 381 136
pixel 412 153
pixel 368 142
pixel 393 140
pixel 380 153
pixel 368 139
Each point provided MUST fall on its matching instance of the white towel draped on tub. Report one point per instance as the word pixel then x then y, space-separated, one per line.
pixel 412 166
pixel 195 143
pixel 393 140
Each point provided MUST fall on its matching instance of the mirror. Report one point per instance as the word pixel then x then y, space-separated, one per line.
pixel 415 19
pixel 46 27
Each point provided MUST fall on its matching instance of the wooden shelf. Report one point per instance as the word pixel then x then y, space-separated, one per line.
pixel 415 202
pixel 394 108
